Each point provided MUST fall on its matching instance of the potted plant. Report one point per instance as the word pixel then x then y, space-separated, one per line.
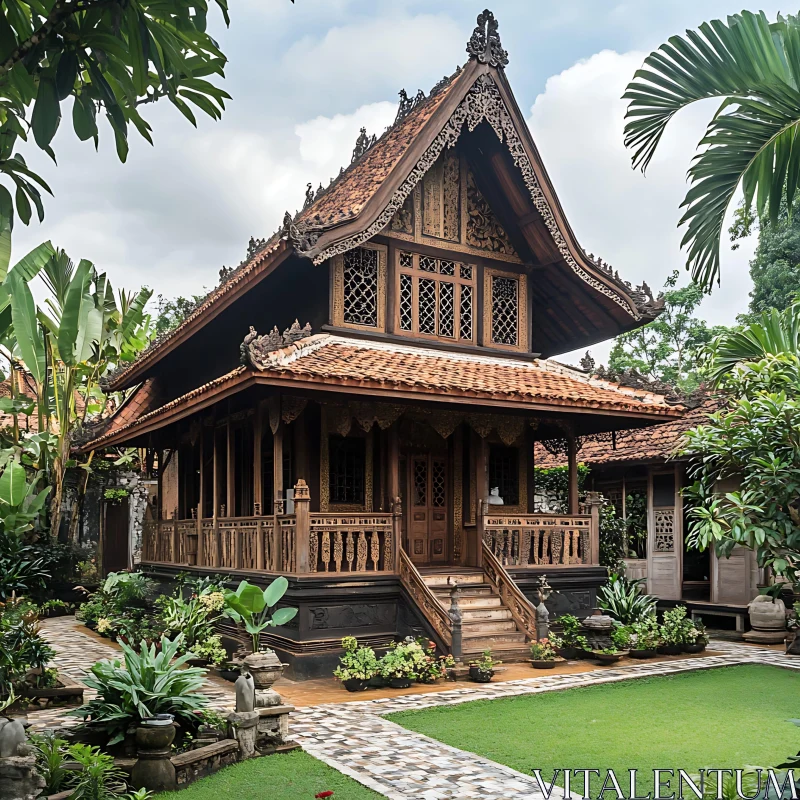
pixel 645 637
pixel 608 655
pixel 431 668
pixel 356 665
pixel 697 638
pixel 398 665
pixel 255 610
pixel 543 654
pixel 482 669
pixel 621 637
pixel 672 631
pixel 570 642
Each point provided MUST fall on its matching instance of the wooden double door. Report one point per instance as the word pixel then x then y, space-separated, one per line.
pixel 427 509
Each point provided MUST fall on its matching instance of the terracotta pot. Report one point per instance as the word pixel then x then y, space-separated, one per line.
pixel 265 667
pixel 399 683
pixel 642 653
pixel 354 684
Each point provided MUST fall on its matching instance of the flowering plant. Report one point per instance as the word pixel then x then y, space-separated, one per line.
pixel 356 662
pixel 543 650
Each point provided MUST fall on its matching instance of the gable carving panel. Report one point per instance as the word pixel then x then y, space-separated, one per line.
pixel 483 230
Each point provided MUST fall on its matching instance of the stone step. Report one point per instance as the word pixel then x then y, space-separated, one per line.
pixel 469 591
pixel 508 655
pixel 493 612
pixel 447 579
pixel 490 641
pixel 479 627
pixel 477 602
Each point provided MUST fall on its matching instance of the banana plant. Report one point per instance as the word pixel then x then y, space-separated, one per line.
pixel 254 608
pixel 20 502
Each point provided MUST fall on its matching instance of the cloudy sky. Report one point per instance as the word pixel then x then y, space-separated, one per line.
pixel 305 77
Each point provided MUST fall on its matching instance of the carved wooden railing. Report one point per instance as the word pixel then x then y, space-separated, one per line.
pixel 351 543
pixel 425 599
pixel 540 539
pixel 522 610
pixel 288 539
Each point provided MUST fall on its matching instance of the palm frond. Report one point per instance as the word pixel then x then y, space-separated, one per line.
pixel 752 139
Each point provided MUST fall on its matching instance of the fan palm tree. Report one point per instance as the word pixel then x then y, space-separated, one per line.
pixel 771 334
pixel 753 139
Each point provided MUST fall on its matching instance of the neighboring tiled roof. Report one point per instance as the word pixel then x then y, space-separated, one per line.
pixel 657 443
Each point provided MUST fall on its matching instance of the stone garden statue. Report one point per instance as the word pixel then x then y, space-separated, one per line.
pixel 19 779
pixel 245 692
pixel 494 497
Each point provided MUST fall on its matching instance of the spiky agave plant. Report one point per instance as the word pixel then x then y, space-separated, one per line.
pixel 625 600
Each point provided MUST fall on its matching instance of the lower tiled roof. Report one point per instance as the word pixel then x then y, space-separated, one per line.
pixel 657 443
pixel 327 361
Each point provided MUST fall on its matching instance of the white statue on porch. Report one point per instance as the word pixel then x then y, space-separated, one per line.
pixel 494 497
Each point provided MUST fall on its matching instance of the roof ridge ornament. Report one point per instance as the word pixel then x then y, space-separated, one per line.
pixel 484 44
pixel 408 104
pixel 363 143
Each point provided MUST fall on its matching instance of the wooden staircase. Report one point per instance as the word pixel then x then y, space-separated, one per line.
pixel 487 622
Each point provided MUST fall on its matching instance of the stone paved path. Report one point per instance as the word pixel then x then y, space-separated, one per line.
pixel 358 741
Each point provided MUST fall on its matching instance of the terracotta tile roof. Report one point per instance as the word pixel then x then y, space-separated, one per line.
pixel 348 194
pixel 328 361
pixel 656 443
pixel 337 359
pixel 260 260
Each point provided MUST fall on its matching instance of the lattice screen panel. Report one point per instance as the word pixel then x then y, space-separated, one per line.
pixel 439 485
pixel 427 306
pixel 406 302
pixel 447 321
pixel 361 287
pixel 505 310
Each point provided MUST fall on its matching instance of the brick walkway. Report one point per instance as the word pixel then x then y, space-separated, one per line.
pixel 355 739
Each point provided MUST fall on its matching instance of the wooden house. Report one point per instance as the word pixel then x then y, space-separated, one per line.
pixel 356 451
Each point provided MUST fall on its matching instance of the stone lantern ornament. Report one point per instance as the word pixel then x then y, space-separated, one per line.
pixel 767 620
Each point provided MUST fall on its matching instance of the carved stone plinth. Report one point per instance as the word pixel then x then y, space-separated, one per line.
pixel 153 769
pixel 19 779
pixel 245 731
pixel 273 727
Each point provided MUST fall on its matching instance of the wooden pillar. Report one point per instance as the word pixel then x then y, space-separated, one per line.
pixel 302 502
pixel 595 501
pixel 277 466
pixel 572 465
pixel 258 506
pixel 393 489
pixel 213 556
pixel 200 560
pixel 230 499
pixel 482 489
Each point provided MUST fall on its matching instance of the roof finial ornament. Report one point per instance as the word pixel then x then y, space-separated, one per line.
pixel 484 44
pixel 408 104
pixel 309 196
pixel 363 143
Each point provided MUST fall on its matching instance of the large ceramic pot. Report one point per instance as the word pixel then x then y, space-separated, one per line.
pixel 570 653
pixel 376 682
pixel 766 614
pixel 156 733
pixel 265 667
pixel 696 647
pixel 541 664
pixel 481 675
pixel 608 658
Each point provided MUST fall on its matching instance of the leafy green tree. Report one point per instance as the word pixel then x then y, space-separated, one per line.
pixel 669 348
pixel 108 57
pixel 752 139
pixel 753 440
pixel 170 313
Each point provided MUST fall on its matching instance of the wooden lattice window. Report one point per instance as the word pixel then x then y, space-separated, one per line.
pixel 436 297
pixel 504 472
pixel 505 310
pixel 360 288
pixel 347 469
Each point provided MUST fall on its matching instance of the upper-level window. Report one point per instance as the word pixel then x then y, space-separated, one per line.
pixel 436 297
pixel 505 318
pixel 359 287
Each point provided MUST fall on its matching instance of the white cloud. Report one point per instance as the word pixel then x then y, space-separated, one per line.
pixel 627 218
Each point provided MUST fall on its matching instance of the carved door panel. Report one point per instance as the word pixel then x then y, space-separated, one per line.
pixel 665 535
pixel 427 518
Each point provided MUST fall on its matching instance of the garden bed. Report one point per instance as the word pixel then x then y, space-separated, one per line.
pixel 66 692
pixel 690 720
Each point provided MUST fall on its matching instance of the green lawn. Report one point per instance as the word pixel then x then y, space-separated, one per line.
pixel 288 776
pixel 721 718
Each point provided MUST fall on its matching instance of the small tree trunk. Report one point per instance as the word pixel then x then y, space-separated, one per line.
pixel 80 497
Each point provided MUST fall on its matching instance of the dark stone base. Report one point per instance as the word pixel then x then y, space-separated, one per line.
pixel 574 588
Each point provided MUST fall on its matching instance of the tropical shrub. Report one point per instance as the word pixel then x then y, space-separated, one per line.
pixel 150 682
pixel 255 609
pixel 613 536
pixel 356 662
pixel 403 660
pixel 432 668
pixel 570 635
pixel 625 599
pixel 50 760
pixel 210 649
pixel 621 637
pixel 98 777
pixel 676 629
pixel 646 632
pixel 24 655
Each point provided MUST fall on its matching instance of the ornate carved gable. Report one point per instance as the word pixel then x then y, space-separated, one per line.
pixel 446 206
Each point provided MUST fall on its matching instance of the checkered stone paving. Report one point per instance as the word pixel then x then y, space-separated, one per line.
pixel 355 738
